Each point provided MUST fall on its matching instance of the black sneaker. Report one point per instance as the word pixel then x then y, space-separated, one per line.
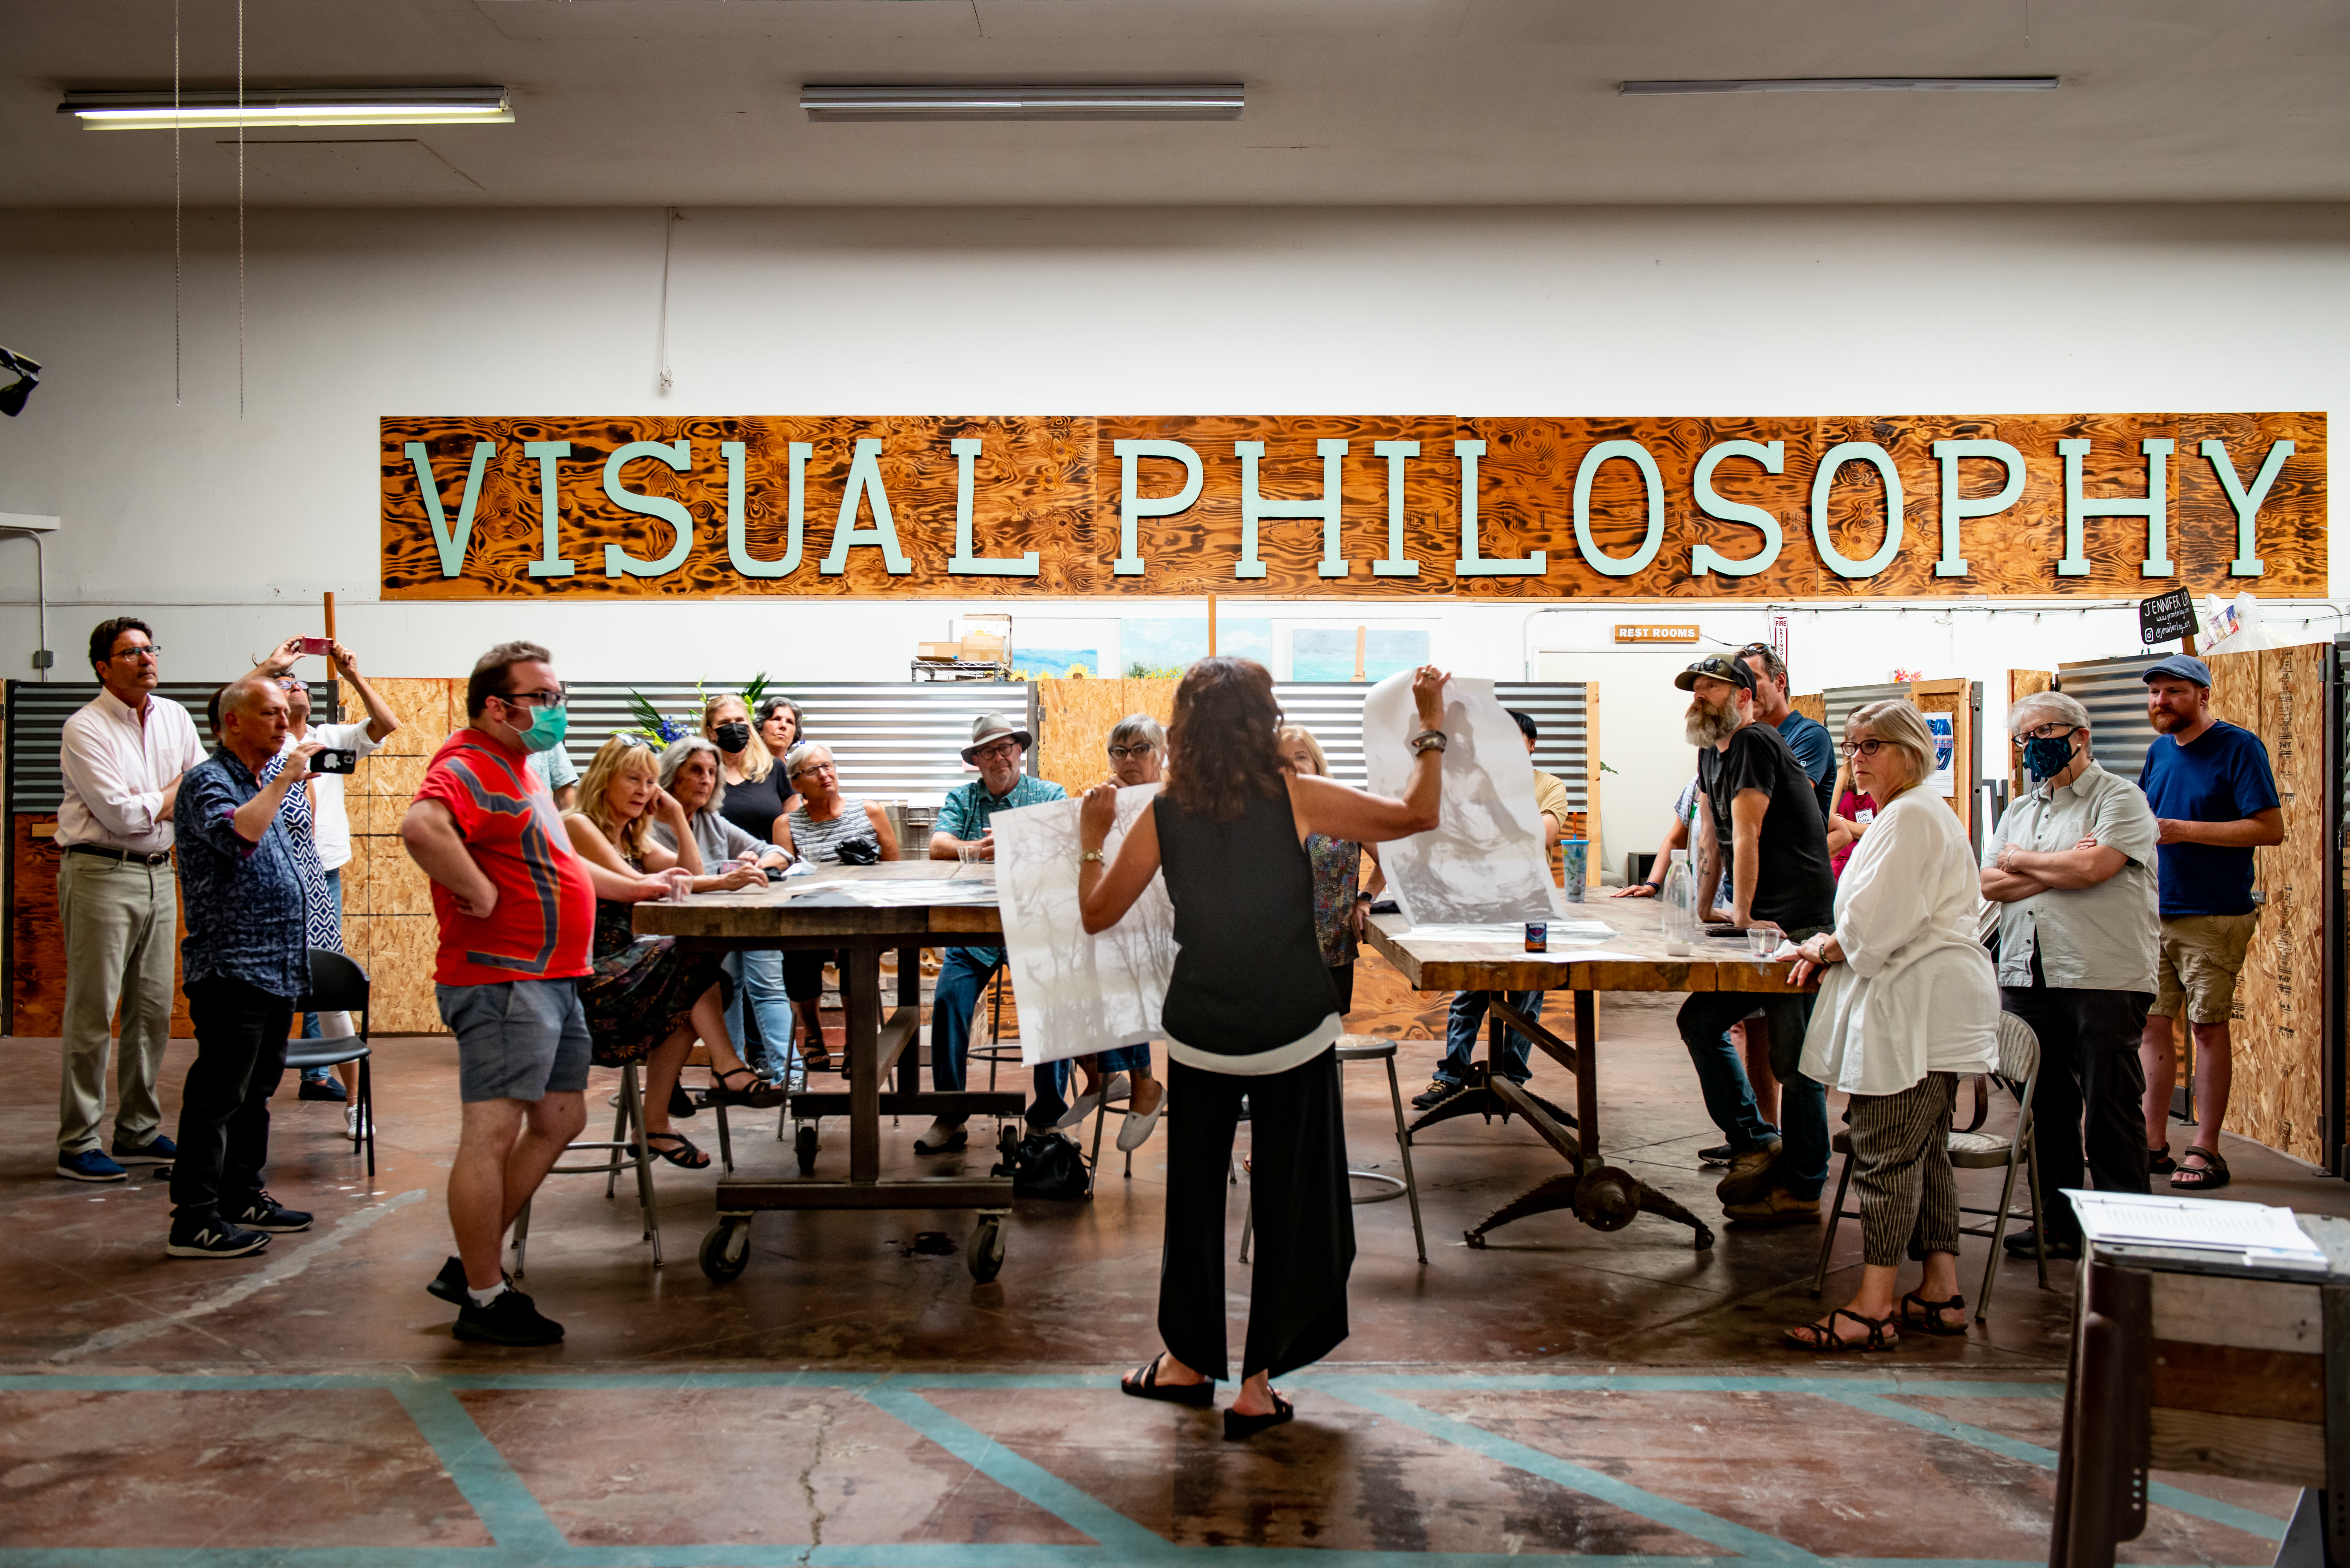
pixel 266 1213
pixel 327 1089
pixel 2022 1244
pixel 449 1284
pixel 509 1319
pixel 156 1150
pixel 1439 1090
pixel 214 1239
pixel 1718 1154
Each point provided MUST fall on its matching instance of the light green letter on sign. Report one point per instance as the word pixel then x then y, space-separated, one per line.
pixel 2247 503
pixel 966 563
pixel 1703 558
pixel 1631 451
pixel 452 545
pixel 865 480
pixel 738 544
pixel 1472 563
pixel 677 454
pixel 1254 506
pixel 1131 505
pixel 1956 507
pixel 1395 563
pixel 1869 452
pixel 551 561
pixel 2155 508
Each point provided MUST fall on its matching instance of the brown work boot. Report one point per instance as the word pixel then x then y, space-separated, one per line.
pixel 1775 1207
pixel 1750 1174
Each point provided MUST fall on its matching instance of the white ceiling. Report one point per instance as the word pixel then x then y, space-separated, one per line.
pixel 693 102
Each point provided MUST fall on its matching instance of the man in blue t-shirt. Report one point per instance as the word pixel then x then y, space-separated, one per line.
pixel 2214 800
pixel 1806 737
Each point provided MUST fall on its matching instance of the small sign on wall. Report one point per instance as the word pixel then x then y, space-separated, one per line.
pixel 1656 634
pixel 2165 617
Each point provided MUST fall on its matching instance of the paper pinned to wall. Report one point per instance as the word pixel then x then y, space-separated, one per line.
pixel 1483 862
pixel 1943 727
pixel 1079 993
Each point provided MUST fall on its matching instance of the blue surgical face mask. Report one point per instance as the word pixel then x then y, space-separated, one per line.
pixel 2045 756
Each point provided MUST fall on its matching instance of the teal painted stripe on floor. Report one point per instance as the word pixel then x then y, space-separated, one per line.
pixel 488 1484
pixel 1753 1544
pixel 1667 1383
pixel 1078 1509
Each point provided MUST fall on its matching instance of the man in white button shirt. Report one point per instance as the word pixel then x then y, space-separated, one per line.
pixel 121 757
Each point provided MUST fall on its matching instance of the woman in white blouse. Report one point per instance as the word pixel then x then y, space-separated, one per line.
pixel 1907 1002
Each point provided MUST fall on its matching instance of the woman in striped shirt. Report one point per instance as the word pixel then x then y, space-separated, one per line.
pixel 813 830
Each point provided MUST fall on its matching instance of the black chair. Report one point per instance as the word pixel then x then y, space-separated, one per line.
pixel 338 985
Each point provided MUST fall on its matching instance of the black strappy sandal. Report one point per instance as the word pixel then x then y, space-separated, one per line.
pixel 760 1095
pixel 1823 1339
pixel 1143 1383
pixel 2211 1173
pixel 2158 1162
pixel 685 1156
pixel 1239 1429
pixel 1929 1315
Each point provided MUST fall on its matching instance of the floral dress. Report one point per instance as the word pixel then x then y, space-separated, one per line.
pixel 642 988
pixel 1338 869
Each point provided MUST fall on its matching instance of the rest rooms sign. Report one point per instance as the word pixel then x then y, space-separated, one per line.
pixel 2103 504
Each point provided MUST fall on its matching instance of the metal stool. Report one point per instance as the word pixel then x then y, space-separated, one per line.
pixel 1370 1048
pixel 625 1150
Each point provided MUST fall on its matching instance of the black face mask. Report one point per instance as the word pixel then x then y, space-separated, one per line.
pixel 731 738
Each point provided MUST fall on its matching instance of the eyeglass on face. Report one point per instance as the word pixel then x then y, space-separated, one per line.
pixel 292 684
pixel 2048 732
pixel 822 767
pixel 1868 748
pixel 144 650
pixel 1139 749
pixel 999 751
pixel 533 699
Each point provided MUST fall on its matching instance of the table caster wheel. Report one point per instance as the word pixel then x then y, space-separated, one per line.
pixel 1705 1240
pixel 726 1249
pixel 986 1254
pixel 1475 1238
pixel 804 1148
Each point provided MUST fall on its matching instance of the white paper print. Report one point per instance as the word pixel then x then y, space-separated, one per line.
pixel 1942 727
pixel 1482 863
pixel 1079 993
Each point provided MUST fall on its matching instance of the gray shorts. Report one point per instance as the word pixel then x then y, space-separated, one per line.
pixel 520 1040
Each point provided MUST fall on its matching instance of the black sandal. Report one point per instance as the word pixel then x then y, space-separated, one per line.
pixel 760 1095
pixel 2158 1162
pixel 685 1156
pixel 1239 1428
pixel 1824 1338
pixel 1143 1383
pixel 1932 1318
pixel 2212 1172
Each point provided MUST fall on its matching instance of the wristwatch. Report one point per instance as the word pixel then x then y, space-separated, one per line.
pixel 1427 740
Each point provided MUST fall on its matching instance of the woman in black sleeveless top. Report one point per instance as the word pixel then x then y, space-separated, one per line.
pixel 1250 1012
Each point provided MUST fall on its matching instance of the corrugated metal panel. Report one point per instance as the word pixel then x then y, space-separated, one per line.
pixel 1842 700
pixel 893 739
pixel 1334 712
pixel 37 711
pixel 2114 691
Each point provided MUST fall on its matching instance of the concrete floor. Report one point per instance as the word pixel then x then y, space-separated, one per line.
pixel 855 1398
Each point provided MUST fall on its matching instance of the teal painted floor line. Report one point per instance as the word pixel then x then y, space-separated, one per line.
pixel 498 1497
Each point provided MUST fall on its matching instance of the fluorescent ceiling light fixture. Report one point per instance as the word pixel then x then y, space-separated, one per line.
pixel 1220 101
pixel 1838 84
pixel 265 108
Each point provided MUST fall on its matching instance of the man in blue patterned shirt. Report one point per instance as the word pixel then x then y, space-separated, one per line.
pixel 997 750
pixel 244 962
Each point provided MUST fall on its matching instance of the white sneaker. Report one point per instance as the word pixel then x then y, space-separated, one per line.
pixel 351 1127
pixel 1114 1090
pixel 941 1137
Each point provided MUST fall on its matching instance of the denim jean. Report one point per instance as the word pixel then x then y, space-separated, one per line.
pixel 310 1020
pixel 1467 1019
pixel 1705 1019
pixel 963 974
pixel 758 975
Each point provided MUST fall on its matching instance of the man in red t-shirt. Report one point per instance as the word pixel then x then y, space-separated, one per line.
pixel 517 913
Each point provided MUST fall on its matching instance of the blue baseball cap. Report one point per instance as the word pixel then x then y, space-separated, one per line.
pixel 2184 666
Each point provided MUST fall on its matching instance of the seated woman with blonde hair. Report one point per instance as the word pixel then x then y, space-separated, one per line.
pixel 1907 1002
pixel 648 1001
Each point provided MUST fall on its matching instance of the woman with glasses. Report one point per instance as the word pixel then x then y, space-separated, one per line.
pixel 814 831
pixel 647 1000
pixel 1855 811
pixel 1907 1003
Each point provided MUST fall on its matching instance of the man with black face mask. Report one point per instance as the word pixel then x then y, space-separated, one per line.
pixel 2072 867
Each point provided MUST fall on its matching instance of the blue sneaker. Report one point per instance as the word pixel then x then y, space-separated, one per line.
pixel 156 1150
pixel 89 1165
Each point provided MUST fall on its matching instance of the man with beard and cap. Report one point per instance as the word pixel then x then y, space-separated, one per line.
pixel 1757 809
pixel 2214 800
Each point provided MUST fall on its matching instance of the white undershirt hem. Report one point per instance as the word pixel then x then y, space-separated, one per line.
pixel 1260 1063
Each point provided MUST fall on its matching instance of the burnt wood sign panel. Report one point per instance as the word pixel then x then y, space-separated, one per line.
pixel 2108 506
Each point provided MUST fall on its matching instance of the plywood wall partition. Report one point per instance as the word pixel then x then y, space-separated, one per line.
pixel 36 940
pixel 388 924
pixel 2022 683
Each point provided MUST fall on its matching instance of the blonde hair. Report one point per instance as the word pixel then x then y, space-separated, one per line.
pixel 1288 734
pixel 1903 728
pixel 617 757
pixel 757 761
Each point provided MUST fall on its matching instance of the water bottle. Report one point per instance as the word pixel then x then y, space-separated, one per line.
pixel 1680 898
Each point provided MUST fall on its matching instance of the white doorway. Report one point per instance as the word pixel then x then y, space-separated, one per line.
pixel 1639 736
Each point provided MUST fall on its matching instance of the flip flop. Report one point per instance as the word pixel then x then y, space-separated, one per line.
pixel 1143 1383
pixel 1239 1428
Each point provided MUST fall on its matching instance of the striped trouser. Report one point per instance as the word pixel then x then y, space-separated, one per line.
pixel 1896 1139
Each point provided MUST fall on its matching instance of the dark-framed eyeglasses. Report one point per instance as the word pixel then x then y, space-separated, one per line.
pixel 2054 730
pixel 822 767
pixel 1868 748
pixel 1139 749
pixel 1000 750
pixel 554 699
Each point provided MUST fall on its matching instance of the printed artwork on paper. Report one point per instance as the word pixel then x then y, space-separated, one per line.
pixel 1943 727
pixel 1079 993
pixel 1482 863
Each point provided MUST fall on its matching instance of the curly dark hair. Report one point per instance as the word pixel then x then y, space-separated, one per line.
pixel 1223 740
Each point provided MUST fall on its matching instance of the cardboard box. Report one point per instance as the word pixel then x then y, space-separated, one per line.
pixel 945 651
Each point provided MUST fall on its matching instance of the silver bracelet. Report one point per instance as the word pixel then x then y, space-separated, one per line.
pixel 1428 741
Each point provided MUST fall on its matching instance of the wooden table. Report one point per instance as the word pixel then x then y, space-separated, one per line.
pixel 2233 1372
pixel 1603 1196
pixel 789 915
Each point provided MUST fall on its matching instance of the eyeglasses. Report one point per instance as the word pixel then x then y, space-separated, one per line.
pixel 2048 732
pixel 1001 750
pixel 533 699
pixel 1868 748
pixel 292 684
pixel 1139 749
pixel 814 768
pixel 145 650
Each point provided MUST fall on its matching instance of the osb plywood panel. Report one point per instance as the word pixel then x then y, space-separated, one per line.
pixel 36 940
pixel 1053 484
pixel 388 924
pixel 1951 697
pixel 2279 1091
pixel 2021 683
pixel 1077 717
pixel 1811 705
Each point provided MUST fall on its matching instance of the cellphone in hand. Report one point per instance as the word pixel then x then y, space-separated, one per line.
pixel 332 761
pixel 317 645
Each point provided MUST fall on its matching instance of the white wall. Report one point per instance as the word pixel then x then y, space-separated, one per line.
pixel 223 529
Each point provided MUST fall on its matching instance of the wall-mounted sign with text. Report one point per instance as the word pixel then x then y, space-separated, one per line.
pixel 1313 506
pixel 1656 634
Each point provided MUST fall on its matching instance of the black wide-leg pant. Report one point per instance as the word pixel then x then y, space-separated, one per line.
pixel 1305 1217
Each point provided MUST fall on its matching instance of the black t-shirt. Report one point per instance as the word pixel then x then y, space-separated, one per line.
pixel 1793 885
pixel 754 807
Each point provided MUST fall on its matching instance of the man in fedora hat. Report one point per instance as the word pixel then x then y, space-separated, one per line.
pixel 997 749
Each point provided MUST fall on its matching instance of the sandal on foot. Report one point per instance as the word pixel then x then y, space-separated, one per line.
pixel 2212 1172
pixel 1143 1383
pixel 760 1095
pixel 1929 1315
pixel 1823 1337
pixel 2158 1162
pixel 1239 1428
pixel 685 1155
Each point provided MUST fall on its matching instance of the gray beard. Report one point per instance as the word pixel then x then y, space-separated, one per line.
pixel 1709 726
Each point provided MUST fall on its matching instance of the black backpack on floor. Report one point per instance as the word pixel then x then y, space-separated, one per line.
pixel 1046 1165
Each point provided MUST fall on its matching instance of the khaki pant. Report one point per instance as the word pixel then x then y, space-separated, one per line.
pixel 2198 960
pixel 121 921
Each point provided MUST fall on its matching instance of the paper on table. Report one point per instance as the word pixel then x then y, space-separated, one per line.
pixel 1515 933
pixel 2209 1224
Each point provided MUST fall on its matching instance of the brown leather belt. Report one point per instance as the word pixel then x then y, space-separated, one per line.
pixel 128 857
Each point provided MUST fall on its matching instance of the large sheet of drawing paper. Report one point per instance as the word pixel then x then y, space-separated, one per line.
pixel 1077 993
pixel 1482 863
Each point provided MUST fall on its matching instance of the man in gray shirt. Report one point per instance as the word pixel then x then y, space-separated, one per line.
pixel 2072 867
